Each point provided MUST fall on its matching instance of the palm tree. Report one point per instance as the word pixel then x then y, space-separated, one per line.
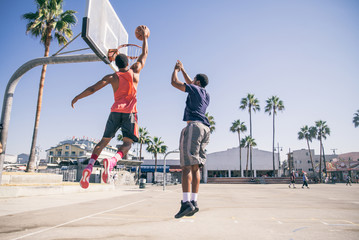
pixel 155 146
pixel 356 119
pixel 252 104
pixel 308 133
pixel 144 138
pixel 238 127
pixel 48 18
pixel 274 104
pixel 321 133
pixel 212 123
pixel 248 142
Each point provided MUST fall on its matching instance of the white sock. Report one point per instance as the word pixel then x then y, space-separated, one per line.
pixel 186 197
pixel 92 161
pixel 194 197
pixel 117 157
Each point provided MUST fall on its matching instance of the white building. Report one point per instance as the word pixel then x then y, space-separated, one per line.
pixel 301 160
pixel 10 158
pixel 226 163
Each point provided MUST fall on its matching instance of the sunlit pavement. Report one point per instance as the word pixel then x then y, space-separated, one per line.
pixel 226 212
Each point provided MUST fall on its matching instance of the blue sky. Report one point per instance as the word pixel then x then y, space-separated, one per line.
pixel 305 52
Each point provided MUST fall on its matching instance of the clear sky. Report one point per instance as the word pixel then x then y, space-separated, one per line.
pixel 305 52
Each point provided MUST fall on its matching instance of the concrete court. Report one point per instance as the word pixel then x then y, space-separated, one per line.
pixel 226 212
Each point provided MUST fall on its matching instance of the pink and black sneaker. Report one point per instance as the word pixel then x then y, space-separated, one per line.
pixel 86 173
pixel 108 165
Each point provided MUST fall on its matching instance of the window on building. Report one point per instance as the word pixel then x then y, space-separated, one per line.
pixel 66 153
pixel 306 153
pixel 310 169
pixel 51 153
pixel 235 173
pixel 308 161
pixel 73 153
pixel 316 160
pixel 67 147
pixel 218 173
pixel 82 153
pixel 59 152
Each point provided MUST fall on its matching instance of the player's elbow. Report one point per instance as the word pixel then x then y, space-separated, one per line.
pixel 91 89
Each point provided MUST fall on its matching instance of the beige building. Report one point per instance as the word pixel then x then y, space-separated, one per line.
pixel 77 149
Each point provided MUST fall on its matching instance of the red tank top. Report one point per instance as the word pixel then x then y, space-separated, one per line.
pixel 125 96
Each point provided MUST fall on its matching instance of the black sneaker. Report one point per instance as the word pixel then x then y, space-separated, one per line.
pixel 196 209
pixel 186 208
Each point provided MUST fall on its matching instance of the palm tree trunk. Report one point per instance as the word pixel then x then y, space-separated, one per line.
pixel 251 153
pixel 324 162
pixel 247 161
pixel 320 162
pixel 32 161
pixel 139 167
pixel 155 162
pixel 240 153
pixel 273 143
pixel 250 130
pixel 32 164
pixel 311 158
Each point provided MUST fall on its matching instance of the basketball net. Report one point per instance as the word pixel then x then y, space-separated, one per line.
pixel 132 51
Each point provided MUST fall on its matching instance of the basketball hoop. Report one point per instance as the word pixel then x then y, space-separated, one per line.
pixel 132 52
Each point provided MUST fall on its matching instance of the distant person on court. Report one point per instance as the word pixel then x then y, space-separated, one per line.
pixel 292 179
pixel 349 181
pixel 194 137
pixel 123 112
pixel 305 180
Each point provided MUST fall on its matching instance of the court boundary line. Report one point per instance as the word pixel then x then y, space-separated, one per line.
pixel 79 219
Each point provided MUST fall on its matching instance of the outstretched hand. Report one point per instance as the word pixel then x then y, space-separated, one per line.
pixel 180 65
pixel 73 102
pixel 144 31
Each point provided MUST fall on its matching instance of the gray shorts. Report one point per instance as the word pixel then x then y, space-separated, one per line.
pixel 193 141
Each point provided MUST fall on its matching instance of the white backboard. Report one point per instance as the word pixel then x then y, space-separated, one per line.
pixel 102 29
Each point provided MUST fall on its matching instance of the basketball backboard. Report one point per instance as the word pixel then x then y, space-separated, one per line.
pixel 102 29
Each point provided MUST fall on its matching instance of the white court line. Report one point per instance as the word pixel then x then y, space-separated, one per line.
pixel 336 224
pixel 77 219
pixel 186 221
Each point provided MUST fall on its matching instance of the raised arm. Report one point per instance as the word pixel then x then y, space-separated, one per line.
pixel 174 80
pixel 92 89
pixel 185 75
pixel 137 67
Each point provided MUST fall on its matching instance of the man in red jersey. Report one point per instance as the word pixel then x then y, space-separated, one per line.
pixel 123 112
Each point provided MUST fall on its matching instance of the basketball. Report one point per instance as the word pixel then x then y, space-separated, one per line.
pixel 138 32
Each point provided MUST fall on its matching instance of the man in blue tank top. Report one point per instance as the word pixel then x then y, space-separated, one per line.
pixel 194 137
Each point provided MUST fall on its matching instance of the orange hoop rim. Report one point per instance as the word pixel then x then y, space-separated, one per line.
pixel 115 51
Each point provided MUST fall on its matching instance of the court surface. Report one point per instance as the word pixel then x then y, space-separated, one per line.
pixel 226 212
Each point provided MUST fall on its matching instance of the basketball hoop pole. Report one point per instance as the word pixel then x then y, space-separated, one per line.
pixel 14 80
